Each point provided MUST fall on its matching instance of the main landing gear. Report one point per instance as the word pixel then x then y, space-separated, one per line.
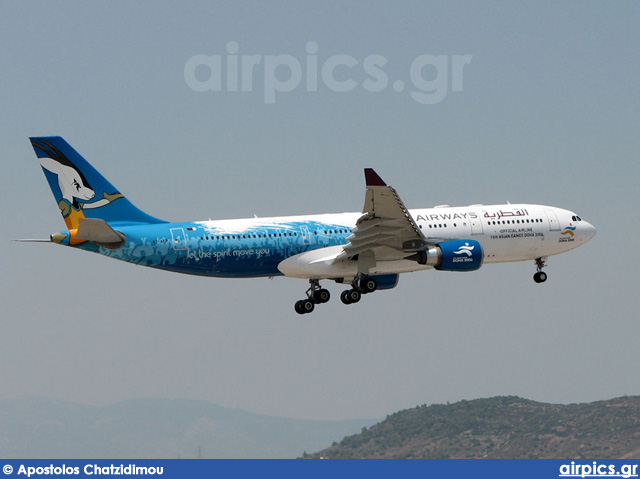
pixel 360 286
pixel 315 295
pixel 540 276
pixel 318 295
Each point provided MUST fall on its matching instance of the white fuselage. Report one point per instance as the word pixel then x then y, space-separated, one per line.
pixel 511 232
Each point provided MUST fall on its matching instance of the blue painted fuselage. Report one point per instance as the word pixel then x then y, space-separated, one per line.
pixel 227 248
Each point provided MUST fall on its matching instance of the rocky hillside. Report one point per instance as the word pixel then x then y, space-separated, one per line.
pixel 501 427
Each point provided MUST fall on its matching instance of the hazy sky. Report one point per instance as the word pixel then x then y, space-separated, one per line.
pixel 544 109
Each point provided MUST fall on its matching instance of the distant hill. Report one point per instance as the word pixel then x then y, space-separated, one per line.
pixel 501 427
pixel 156 428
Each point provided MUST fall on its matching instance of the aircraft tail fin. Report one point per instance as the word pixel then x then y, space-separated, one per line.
pixel 80 190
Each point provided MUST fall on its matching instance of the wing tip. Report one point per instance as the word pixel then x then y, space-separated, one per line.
pixel 372 178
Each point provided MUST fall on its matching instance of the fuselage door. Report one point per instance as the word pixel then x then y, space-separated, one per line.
pixel 476 225
pixel 306 235
pixel 554 225
pixel 178 239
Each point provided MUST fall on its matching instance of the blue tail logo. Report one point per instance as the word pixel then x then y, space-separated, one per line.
pixel 80 191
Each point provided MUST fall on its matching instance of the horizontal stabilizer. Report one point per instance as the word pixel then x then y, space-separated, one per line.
pixel 99 232
pixel 48 240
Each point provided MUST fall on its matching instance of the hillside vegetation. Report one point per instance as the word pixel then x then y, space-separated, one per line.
pixel 501 427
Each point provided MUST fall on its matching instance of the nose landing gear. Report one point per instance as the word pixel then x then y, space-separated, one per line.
pixel 540 276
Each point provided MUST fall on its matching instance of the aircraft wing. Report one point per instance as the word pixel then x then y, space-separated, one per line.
pixel 385 230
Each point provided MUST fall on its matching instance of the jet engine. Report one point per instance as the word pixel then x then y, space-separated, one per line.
pixel 453 255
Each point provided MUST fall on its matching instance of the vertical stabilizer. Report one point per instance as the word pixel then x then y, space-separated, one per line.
pixel 80 190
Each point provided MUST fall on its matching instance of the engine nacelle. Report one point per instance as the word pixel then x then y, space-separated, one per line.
pixel 454 255
pixel 386 281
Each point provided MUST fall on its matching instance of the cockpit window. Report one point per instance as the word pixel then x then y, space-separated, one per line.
pixel 576 218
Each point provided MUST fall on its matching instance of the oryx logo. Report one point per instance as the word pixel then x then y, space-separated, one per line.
pixel 569 230
pixel 466 249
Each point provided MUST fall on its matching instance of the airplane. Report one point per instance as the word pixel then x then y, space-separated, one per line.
pixel 366 251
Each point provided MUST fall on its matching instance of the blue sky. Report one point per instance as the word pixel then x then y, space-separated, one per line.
pixel 548 113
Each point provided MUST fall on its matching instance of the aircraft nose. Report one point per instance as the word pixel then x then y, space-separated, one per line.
pixel 589 231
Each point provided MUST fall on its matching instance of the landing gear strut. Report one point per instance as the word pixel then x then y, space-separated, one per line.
pixel 315 295
pixel 318 295
pixel 540 276
pixel 361 285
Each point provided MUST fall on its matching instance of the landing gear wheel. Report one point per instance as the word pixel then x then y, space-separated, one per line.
pixel 307 305
pixel 369 285
pixel 540 277
pixel 304 306
pixel 354 296
pixel 321 296
pixel 344 297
